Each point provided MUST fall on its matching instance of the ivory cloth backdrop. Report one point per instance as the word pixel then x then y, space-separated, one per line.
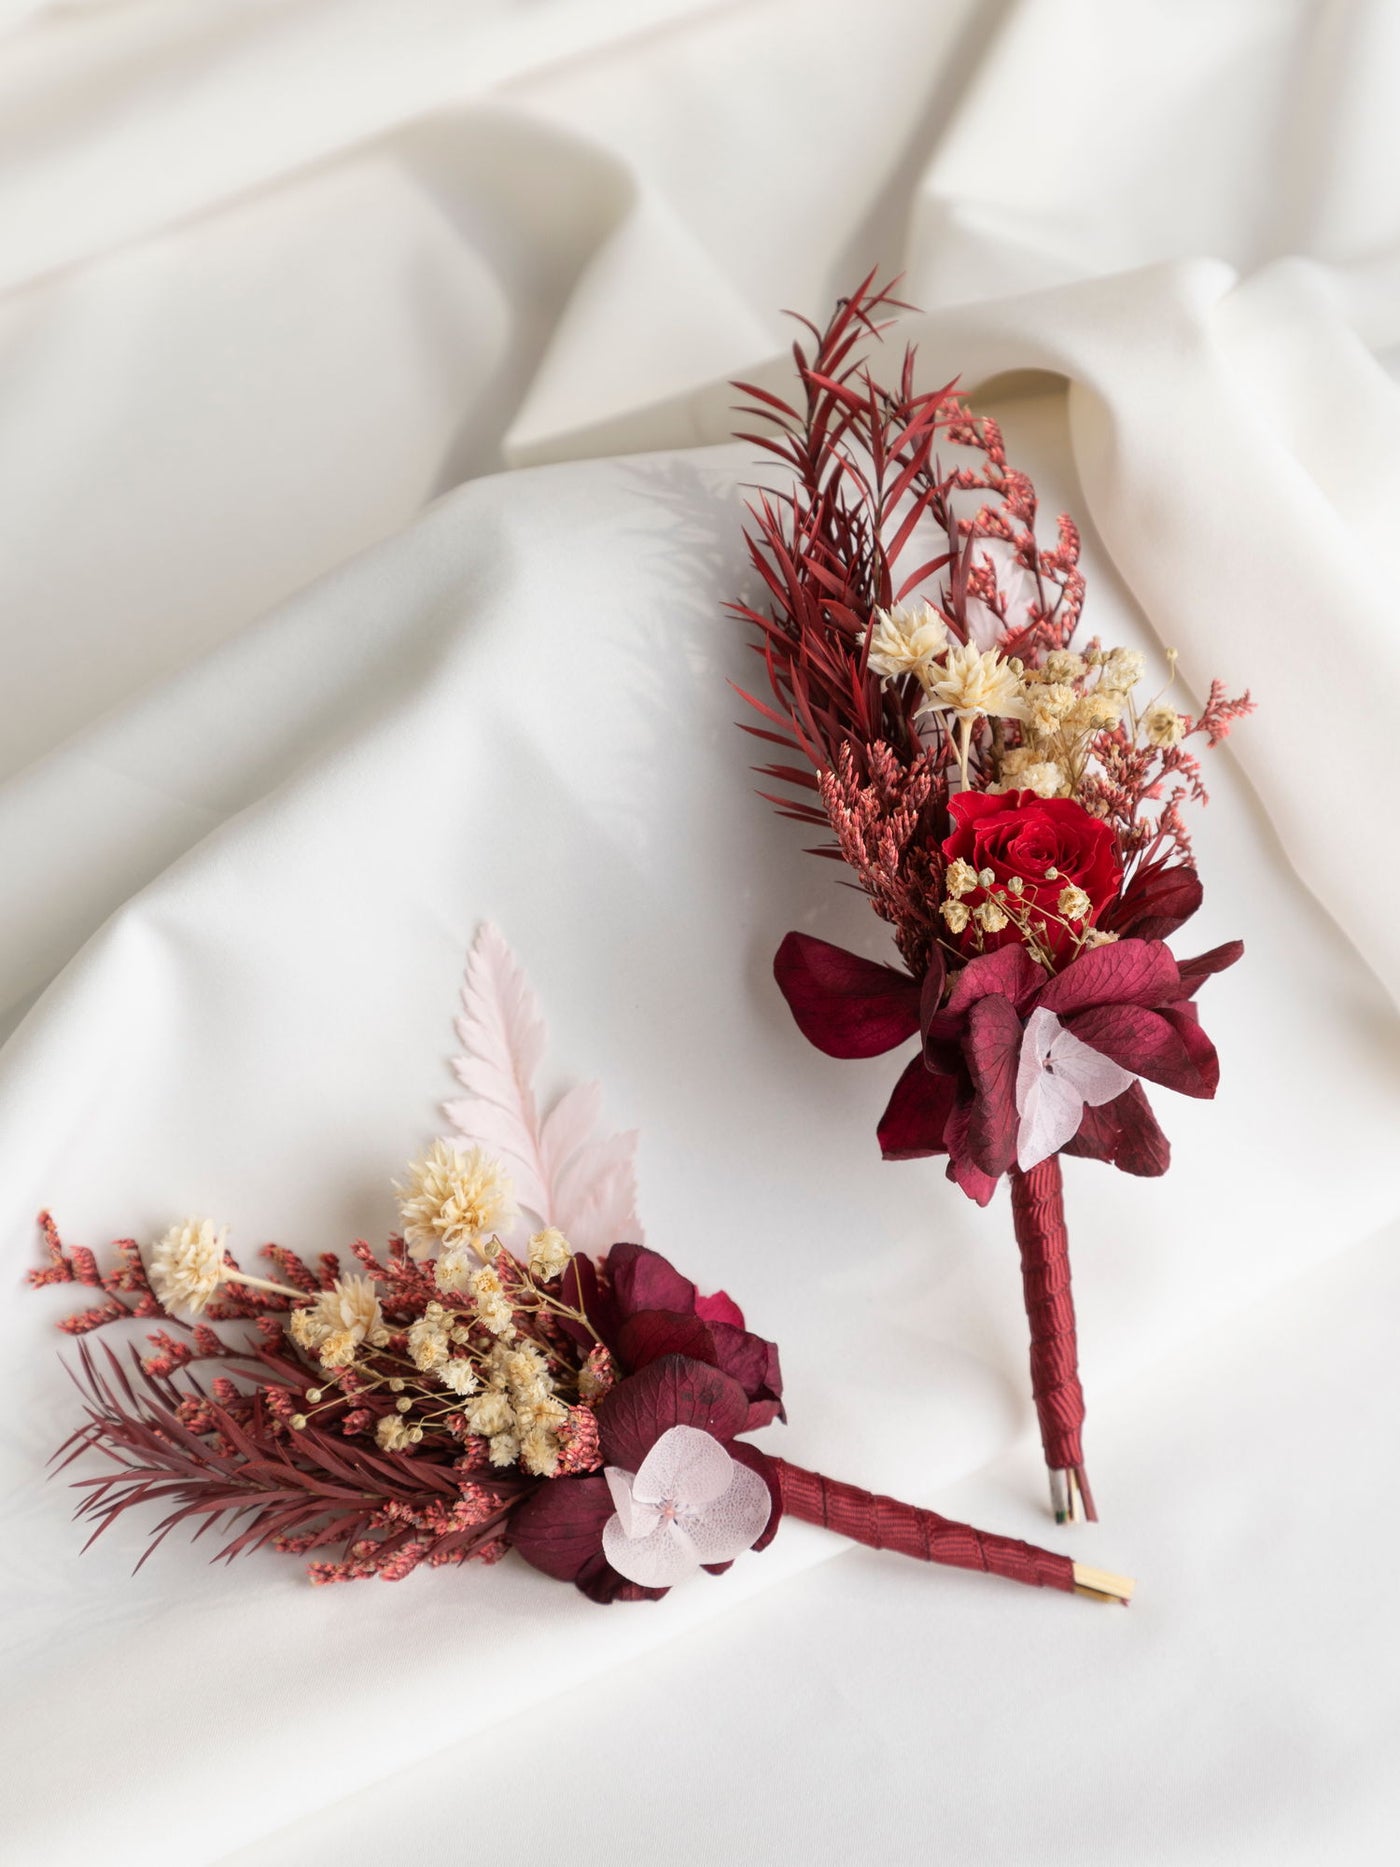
pixel 368 509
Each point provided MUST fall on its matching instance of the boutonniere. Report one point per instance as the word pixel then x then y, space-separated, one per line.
pixel 1011 804
pixel 487 1383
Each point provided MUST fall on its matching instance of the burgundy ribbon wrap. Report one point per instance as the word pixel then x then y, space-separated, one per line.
pixel 885 1523
pixel 1038 1214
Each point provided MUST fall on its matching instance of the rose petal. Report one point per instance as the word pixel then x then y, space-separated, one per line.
pixel 845 1005
pixel 912 1125
pixel 672 1392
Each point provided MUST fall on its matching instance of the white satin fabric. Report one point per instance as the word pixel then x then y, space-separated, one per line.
pixel 369 512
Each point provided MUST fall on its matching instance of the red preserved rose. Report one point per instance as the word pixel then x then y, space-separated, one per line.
pixel 1046 843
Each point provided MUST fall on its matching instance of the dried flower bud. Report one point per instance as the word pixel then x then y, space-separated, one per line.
pixel 1074 904
pixel 550 1253
pixel 313 1394
pixel 405 1404
pixel 989 917
pixel 298 1422
pixel 1163 726
pixel 956 914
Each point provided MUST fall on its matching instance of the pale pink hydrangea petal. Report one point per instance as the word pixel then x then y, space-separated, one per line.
pixel 690 1503
pixel 1057 1076
pixel 686 1465
pixel 637 1519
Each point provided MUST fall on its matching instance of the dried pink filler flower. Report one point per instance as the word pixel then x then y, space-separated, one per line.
pixel 1007 805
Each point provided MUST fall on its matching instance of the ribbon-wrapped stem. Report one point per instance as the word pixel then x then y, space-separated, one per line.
pixel 1038 1213
pixel 884 1523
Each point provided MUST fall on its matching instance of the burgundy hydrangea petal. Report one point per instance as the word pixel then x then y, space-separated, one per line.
pixel 1009 972
pixel 559 1527
pixel 962 1169
pixel 642 1279
pixel 845 1005
pixel 652 1333
pixel 1128 972
pixel 753 1363
pixel 992 1046
pixel 1159 899
pixel 760 1462
pixel 1125 1133
pixel 1195 972
pixel 1149 1044
pixel 1143 1148
pixel 1186 1021
pixel 675 1391
pixel 914 1119
pixel 719 1307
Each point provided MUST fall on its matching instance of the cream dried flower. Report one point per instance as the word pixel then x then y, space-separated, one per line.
pixel 907 639
pixel 550 1253
pixel 1043 776
pixel 1048 707
pixel 973 682
pixel 1062 664
pixel 505 1448
pixel 458 1376
pixel 392 1433
pixel 990 917
pixel 492 1306
pixel 1074 904
pixel 1163 726
pixel 453 1197
pixel 957 914
pixel 455 1268
pixel 491 1414
pixel 1093 712
pixel 427 1341
pixel 539 1452
pixel 1098 936
pixel 960 879
pixel 187 1266
pixel 340 1320
pixel 1121 670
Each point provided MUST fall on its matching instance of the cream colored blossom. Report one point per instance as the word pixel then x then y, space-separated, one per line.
pixel 1074 904
pixel 505 1448
pixel 550 1253
pixel 490 1414
pixel 454 1269
pixel 340 1321
pixel 1062 664
pixel 1098 936
pixel 1162 725
pixel 453 1197
pixel 392 1433
pixel 427 1341
pixel 458 1376
pixel 907 639
pixel 1121 669
pixel 539 1452
pixel 956 914
pixel 1043 776
pixel 990 917
pixel 973 682
pixel 1048 707
pixel 492 1306
pixel 1093 712
pixel 960 879
pixel 187 1266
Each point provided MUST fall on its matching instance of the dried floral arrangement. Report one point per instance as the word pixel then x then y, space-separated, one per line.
pixel 479 1386
pixel 1010 805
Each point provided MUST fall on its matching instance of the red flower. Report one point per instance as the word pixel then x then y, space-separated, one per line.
pixel 644 1309
pixel 559 1527
pixel 1130 1000
pixel 1019 834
